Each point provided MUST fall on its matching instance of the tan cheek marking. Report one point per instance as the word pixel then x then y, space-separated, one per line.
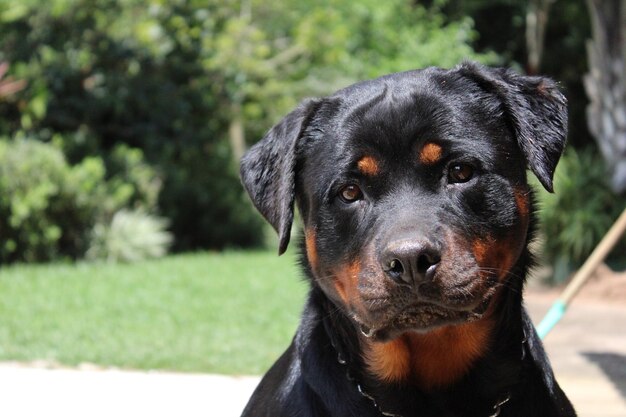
pixel 522 201
pixel 501 254
pixel 430 153
pixel 495 254
pixel 341 290
pixel 481 249
pixel 311 248
pixel 368 165
pixel 346 283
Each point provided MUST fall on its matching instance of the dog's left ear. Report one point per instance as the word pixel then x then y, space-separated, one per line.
pixel 268 171
pixel 536 110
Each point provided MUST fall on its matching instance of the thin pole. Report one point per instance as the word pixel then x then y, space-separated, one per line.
pixel 601 251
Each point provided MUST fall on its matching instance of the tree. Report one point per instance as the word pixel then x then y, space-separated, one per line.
pixel 606 85
pixel 502 27
pixel 192 82
pixel 536 22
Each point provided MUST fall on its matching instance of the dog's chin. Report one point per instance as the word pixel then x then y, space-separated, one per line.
pixel 419 318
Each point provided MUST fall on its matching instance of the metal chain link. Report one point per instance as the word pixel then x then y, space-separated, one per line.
pixel 497 406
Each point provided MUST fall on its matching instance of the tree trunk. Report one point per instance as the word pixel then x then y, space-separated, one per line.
pixel 605 85
pixel 536 22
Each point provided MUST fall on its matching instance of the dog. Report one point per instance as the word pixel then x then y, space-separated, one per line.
pixel 417 217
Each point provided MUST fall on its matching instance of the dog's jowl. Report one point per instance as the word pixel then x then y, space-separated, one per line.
pixel 416 222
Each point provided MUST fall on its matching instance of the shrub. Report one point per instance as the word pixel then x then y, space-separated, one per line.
pixel 578 215
pixel 172 78
pixel 130 236
pixel 36 187
pixel 48 207
pixel 137 182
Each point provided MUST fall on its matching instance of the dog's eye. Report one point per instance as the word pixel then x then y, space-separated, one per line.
pixel 350 193
pixel 459 173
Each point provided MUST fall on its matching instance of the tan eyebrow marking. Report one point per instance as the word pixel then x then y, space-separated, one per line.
pixel 368 165
pixel 430 153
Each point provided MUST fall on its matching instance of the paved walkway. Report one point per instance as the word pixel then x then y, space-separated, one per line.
pixel 36 392
pixel 587 349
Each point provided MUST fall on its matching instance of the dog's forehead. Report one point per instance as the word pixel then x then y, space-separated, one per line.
pixel 395 115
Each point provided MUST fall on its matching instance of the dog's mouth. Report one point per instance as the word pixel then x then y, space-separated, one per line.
pixel 456 294
pixel 388 323
pixel 383 307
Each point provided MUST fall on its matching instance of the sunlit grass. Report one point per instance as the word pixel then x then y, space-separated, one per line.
pixel 228 313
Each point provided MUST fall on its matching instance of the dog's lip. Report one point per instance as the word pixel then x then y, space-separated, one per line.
pixel 399 320
pixel 378 304
pixel 399 325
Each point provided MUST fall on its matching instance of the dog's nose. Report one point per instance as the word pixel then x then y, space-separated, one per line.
pixel 410 261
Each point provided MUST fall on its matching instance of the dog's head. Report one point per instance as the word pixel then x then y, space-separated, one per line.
pixel 412 189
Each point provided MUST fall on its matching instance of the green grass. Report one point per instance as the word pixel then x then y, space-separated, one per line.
pixel 230 313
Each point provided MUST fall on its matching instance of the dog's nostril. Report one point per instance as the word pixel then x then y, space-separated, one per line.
pixel 396 270
pixel 425 262
pixel 410 262
pixel 395 267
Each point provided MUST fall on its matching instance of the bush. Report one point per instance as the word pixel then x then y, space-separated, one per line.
pixel 575 218
pixel 48 207
pixel 172 78
pixel 130 236
pixel 36 187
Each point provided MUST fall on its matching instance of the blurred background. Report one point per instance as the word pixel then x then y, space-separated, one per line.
pixel 126 239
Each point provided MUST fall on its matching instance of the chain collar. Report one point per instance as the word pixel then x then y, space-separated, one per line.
pixel 358 385
pixel 497 407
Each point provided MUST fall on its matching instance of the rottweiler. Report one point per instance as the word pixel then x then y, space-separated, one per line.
pixel 417 216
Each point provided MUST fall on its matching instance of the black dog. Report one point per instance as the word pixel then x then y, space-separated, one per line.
pixel 417 217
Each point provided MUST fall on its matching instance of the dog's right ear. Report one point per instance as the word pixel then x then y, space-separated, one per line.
pixel 537 111
pixel 268 170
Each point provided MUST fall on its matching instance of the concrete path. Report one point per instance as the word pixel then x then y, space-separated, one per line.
pixel 587 349
pixel 28 391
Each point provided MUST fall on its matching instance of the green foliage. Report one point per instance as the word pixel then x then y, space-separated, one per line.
pixel 277 53
pixel 172 79
pixel 49 207
pixel 579 213
pixel 501 26
pixel 135 183
pixel 36 186
pixel 103 73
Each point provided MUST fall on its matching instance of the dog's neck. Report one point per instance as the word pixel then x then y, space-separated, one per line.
pixel 494 377
pixel 430 360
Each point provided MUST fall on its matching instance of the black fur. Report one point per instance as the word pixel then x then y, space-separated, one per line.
pixel 491 121
pixel 267 172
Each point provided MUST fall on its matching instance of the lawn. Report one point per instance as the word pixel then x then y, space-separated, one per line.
pixel 231 313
